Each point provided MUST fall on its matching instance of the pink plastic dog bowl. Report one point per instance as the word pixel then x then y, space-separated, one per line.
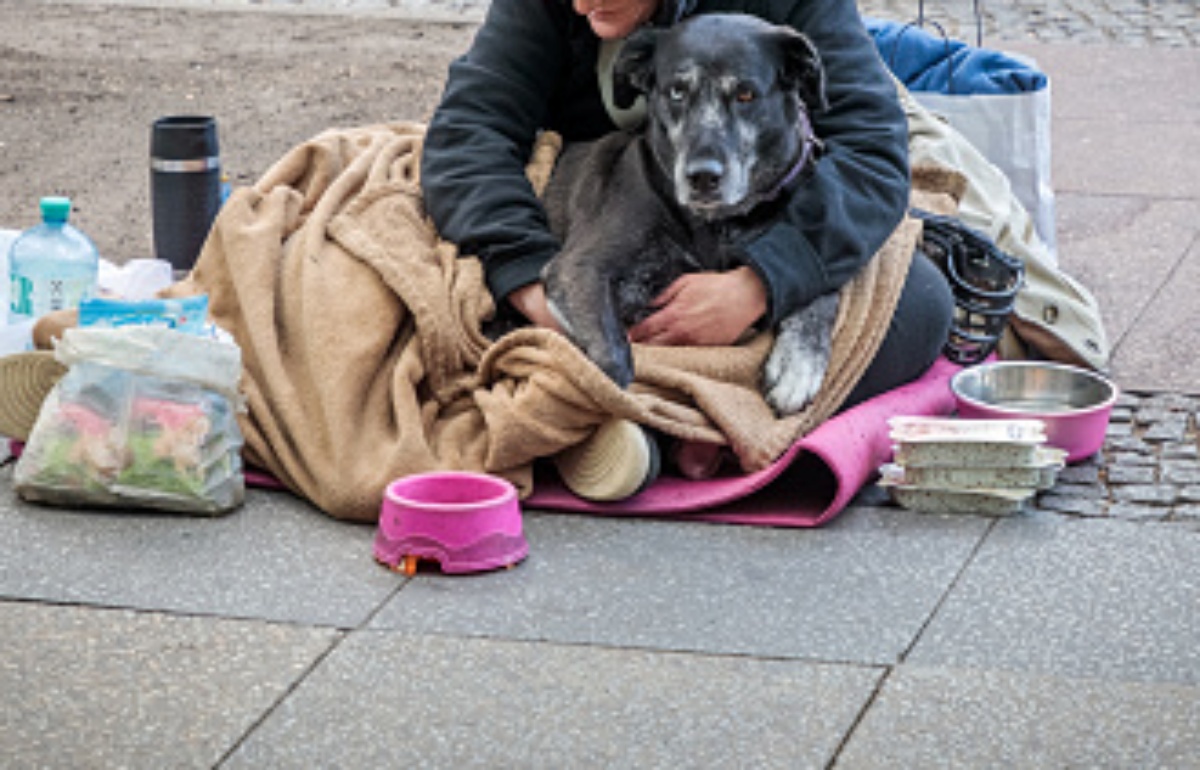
pixel 1075 403
pixel 467 522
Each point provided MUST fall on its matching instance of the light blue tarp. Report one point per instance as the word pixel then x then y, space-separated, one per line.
pixel 923 61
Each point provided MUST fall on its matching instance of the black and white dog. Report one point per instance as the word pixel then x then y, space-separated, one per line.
pixel 728 98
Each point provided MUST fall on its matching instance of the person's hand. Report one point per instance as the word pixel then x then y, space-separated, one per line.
pixel 704 309
pixel 530 301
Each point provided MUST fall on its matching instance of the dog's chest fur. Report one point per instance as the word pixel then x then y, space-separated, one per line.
pixel 653 241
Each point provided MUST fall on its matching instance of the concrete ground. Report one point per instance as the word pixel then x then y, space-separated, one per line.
pixel 1067 637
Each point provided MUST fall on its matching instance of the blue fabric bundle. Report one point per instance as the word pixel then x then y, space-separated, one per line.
pixel 927 62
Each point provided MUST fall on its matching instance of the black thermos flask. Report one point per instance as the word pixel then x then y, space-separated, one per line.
pixel 185 186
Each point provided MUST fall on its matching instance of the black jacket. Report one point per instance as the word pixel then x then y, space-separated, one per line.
pixel 532 67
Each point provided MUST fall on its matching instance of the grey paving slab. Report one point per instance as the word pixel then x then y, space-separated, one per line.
pixel 275 558
pixel 84 688
pixel 858 591
pixel 947 718
pixel 1159 352
pixel 1075 598
pixel 1137 85
pixel 1125 251
pixel 1129 131
pixel 1102 156
pixel 391 699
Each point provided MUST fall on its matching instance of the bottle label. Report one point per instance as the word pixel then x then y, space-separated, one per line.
pixel 35 298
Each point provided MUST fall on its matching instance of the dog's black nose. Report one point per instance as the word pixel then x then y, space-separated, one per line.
pixel 704 177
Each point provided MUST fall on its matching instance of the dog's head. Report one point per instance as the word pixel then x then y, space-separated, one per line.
pixel 728 103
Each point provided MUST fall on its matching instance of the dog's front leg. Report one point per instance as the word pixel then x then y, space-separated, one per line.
pixel 796 366
pixel 585 306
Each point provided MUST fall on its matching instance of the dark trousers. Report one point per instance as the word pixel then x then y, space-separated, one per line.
pixel 916 335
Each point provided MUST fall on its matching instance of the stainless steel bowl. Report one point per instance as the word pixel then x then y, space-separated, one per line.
pixel 1075 403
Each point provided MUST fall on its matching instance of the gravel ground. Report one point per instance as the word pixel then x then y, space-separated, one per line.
pixel 1171 23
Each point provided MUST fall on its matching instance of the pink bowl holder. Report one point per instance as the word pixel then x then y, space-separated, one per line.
pixel 467 522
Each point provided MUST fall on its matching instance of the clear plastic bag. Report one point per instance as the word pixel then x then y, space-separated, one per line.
pixel 145 417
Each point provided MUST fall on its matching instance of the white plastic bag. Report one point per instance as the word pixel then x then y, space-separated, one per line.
pixel 145 417
pixel 998 101
pixel 1013 132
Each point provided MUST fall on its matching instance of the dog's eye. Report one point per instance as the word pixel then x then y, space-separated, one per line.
pixel 676 92
pixel 745 93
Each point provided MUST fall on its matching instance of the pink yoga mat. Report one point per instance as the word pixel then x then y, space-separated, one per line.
pixel 808 485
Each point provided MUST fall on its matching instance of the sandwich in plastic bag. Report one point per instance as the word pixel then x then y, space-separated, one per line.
pixel 145 417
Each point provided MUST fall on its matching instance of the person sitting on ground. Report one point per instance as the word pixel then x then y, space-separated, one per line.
pixel 537 66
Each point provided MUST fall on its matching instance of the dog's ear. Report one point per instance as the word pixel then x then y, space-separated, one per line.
pixel 633 70
pixel 802 68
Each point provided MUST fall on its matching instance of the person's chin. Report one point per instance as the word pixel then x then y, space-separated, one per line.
pixel 611 27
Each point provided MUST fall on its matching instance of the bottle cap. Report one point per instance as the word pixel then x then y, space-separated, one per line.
pixel 56 209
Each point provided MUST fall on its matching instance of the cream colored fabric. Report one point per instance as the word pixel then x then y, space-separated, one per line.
pixel 624 118
pixel 1054 313
pixel 364 360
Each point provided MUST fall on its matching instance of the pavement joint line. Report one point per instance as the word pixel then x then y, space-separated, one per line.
pixel 340 637
pixel 950 588
pixel 267 713
pixel 175 613
pixel 639 648
pixel 861 716
pixel 1167 280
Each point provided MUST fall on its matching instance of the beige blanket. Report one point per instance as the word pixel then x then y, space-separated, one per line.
pixel 364 359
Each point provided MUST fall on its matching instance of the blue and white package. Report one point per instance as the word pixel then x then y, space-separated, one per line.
pixel 186 314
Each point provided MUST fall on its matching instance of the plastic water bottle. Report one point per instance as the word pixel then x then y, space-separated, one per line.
pixel 14 338
pixel 53 266
pixel 6 241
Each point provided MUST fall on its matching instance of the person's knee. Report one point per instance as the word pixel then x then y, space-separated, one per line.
pixel 916 335
pixel 928 304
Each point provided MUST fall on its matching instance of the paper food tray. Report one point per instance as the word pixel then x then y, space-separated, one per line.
pixel 1039 474
pixel 983 502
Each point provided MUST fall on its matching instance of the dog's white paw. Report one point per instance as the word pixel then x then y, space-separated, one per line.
pixel 792 379
pixel 799 358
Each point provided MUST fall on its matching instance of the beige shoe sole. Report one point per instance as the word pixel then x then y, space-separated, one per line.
pixel 25 381
pixel 614 463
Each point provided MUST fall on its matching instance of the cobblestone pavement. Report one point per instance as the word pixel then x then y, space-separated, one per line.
pixel 1149 469
pixel 1165 23
pixel 1161 23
